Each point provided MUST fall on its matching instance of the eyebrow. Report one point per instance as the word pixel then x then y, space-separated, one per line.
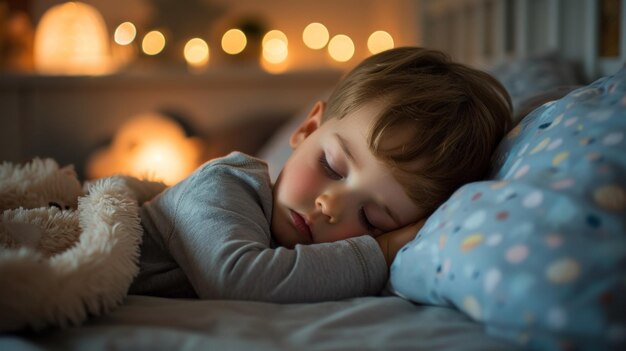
pixel 346 149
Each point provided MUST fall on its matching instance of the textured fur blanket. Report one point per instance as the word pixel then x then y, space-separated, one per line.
pixel 59 266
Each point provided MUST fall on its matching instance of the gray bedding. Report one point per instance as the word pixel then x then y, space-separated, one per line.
pixel 369 323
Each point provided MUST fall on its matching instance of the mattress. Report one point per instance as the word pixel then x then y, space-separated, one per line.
pixel 367 323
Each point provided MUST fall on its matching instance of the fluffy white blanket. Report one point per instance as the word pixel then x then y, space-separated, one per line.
pixel 84 268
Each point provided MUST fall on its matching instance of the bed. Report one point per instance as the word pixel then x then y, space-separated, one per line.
pixel 149 323
pixel 555 205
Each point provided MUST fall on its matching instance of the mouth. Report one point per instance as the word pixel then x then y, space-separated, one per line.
pixel 300 224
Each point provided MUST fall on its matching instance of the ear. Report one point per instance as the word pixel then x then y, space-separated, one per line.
pixel 309 125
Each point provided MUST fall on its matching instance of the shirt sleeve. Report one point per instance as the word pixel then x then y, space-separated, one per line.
pixel 215 225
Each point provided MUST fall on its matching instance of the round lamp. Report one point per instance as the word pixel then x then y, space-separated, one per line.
pixel 72 38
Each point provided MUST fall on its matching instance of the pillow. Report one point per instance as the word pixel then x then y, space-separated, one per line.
pixel 533 101
pixel 524 78
pixel 538 253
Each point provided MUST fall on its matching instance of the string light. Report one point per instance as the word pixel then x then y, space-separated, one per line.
pixel 153 43
pixel 379 41
pixel 341 48
pixel 275 51
pixel 196 52
pixel 234 41
pixel 275 34
pixel 275 47
pixel 315 36
pixel 125 33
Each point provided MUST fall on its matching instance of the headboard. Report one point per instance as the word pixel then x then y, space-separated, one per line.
pixel 484 33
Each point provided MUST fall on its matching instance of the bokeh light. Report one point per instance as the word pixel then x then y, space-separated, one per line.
pixel 125 33
pixel 196 52
pixel 275 34
pixel 275 51
pixel 234 41
pixel 341 48
pixel 153 43
pixel 379 41
pixel 274 68
pixel 315 36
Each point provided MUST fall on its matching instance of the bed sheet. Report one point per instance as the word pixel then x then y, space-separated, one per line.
pixel 367 323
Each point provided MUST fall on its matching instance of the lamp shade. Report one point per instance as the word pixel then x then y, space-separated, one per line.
pixel 72 38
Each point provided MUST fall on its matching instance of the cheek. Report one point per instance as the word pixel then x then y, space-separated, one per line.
pixel 299 182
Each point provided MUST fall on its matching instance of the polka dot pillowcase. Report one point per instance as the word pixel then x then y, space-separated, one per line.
pixel 538 253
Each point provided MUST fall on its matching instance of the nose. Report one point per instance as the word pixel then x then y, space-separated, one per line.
pixel 328 204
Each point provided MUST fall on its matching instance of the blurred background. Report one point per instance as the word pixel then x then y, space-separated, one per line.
pixel 153 88
pixel 219 75
pixel 141 34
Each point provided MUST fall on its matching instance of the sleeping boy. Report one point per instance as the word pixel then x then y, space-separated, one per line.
pixel 400 132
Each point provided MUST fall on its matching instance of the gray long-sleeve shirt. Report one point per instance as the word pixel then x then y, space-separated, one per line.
pixel 209 236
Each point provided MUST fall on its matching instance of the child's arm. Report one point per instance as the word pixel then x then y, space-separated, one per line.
pixel 390 243
pixel 215 226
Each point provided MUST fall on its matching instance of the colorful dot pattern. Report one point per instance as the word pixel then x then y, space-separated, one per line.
pixel 537 253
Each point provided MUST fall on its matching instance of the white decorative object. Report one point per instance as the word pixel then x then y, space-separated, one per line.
pixel 72 39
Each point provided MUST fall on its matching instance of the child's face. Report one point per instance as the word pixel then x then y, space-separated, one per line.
pixel 333 188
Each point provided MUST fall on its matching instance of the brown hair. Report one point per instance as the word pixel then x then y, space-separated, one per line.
pixel 455 117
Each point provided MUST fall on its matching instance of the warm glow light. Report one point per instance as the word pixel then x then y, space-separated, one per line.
pixel 341 48
pixel 275 51
pixel 197 52
pixel 148 146
pixel 315 36
pixel 125 33
pixel 72 38
pixel 234 41
pixel 274 68
pixel 153 43
pixel 275 34
pixel 159 160
pixel 379 41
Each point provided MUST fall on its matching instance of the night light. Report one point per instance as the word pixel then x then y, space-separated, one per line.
pixel 72 38
pixel 149 146
pixel 196 53
pixel 379 41
pixel 234 41
pixel 153 43
pixel 341 48
pixel 315 36
pixel 125 33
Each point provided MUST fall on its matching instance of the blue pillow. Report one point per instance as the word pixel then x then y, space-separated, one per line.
pixel 538 253
pixel 524 78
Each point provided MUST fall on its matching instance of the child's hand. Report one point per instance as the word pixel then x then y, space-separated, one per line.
pixel 390 243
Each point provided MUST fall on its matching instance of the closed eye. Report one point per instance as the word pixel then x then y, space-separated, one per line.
pixel 328 169
pixel 365 222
